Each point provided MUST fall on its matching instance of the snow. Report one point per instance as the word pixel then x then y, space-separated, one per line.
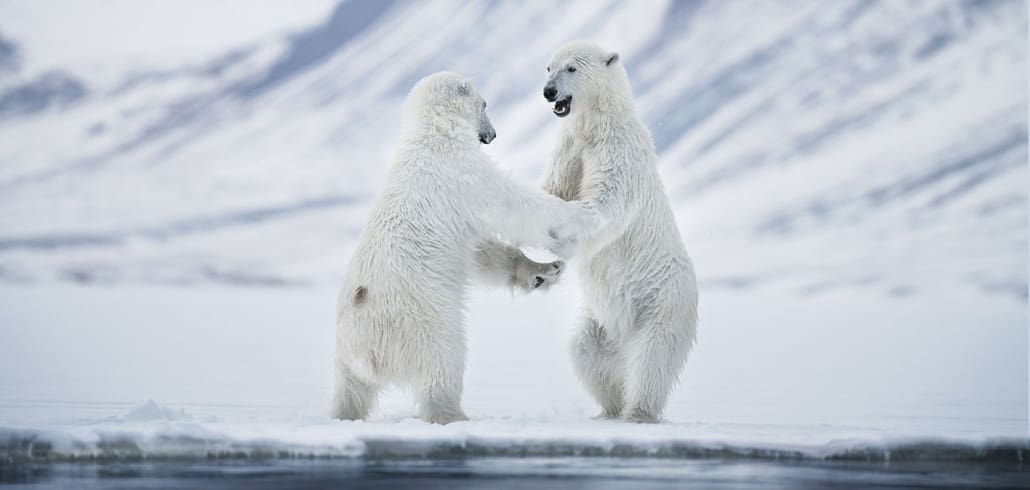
pixel 247 371
pixel 850 180
pixel 83 37
pixel 409 438
pixel 881 145
pixel 150 411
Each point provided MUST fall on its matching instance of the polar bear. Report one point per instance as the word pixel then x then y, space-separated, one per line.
pixel 639 319
pixel 438 222
pixel 640 316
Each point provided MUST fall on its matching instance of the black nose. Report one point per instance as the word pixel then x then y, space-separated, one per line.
pixel 550 93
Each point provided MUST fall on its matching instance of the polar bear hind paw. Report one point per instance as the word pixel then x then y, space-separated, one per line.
pixel 641 417
pixel 606 416
pixel 445 418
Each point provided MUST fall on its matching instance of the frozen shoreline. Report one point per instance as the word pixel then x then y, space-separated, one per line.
pixel 154 433
pixel 175 443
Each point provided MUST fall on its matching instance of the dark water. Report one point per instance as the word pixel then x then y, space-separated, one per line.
pixel 530 473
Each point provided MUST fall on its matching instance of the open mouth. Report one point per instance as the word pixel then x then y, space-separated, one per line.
pixel 562 107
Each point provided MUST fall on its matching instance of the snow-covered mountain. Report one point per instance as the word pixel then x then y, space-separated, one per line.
pixel 850 178
pixel 806 146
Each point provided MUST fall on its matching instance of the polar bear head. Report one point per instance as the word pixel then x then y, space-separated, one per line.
pixel 587 74
pixel 447 104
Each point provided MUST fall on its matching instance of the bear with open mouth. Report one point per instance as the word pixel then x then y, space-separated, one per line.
pixel 639 319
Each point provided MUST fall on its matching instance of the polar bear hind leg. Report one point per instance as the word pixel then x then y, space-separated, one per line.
pixel 439 371
pixel 598 362
pixel 656 355
pixel 439 399
pixel 353 398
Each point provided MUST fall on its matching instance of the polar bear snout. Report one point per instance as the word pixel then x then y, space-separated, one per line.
pixel 486 129
pixel 550 93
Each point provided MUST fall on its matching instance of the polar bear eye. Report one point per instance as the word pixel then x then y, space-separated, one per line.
pixel 572 69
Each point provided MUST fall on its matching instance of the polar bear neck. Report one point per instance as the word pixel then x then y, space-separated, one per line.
pixel 603 108
pixel 440 129
pixel 440 140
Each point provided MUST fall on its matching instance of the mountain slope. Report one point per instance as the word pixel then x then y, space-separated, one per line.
pixel 805 147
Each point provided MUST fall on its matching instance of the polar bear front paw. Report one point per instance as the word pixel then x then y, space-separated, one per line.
pixel 531 275
pixel 583 223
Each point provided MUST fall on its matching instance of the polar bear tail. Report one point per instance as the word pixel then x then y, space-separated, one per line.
pixel 360 295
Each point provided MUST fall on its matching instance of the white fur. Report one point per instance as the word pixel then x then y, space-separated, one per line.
pixel 400 311
pixel 640 315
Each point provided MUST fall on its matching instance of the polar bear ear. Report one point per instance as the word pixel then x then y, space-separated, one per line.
pixel 612 58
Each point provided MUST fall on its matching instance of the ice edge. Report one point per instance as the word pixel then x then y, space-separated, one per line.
pixel 19 446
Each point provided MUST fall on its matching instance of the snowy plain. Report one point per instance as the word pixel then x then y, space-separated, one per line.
pixel 248 371
pixel 176 211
